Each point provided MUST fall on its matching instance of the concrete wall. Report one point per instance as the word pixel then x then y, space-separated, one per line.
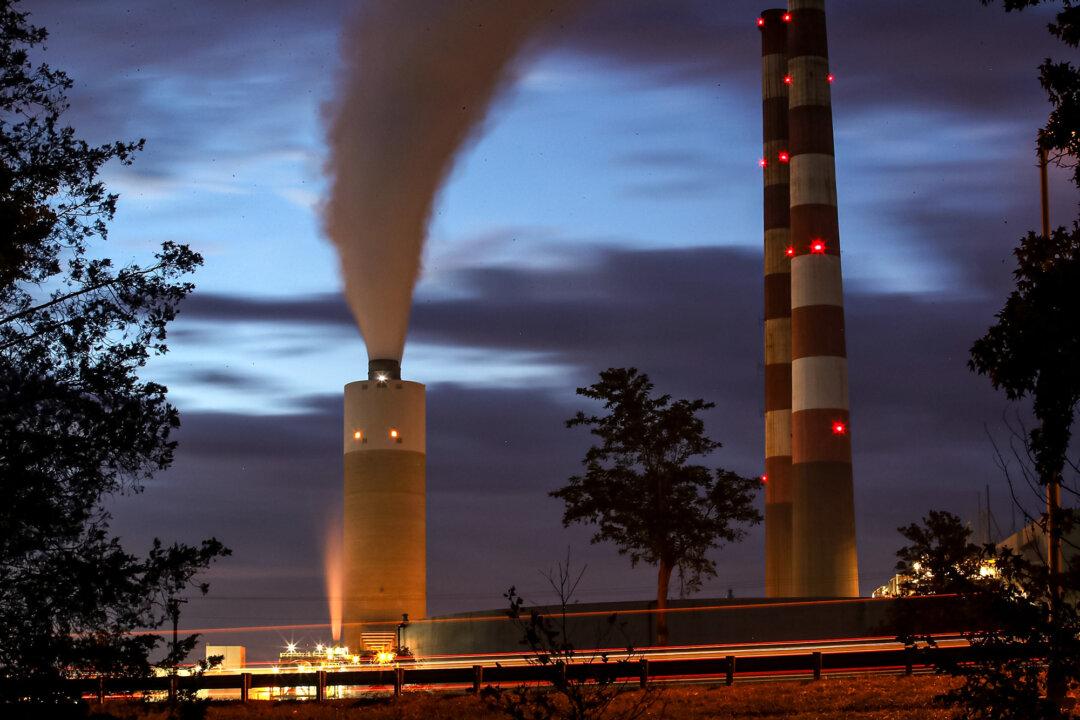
pixel 691 622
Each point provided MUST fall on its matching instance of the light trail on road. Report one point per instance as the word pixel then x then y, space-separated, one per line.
pixel 684 652
pixel 826 647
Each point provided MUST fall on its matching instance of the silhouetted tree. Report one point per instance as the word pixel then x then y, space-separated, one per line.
pixel 77 424
pixel 1021 616
pixel 940 558
pixel 1004 615
pixel 1061 80
pixel 642 491
pixel 1034 350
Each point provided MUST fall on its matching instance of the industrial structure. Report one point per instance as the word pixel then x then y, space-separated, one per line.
pixel 385 525
pixel 810 507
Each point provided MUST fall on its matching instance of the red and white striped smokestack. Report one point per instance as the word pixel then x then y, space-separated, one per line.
pixel 775 158
pixel 824 562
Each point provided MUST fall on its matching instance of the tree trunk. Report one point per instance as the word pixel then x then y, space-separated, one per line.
pixel 1057 684
pixel 663 579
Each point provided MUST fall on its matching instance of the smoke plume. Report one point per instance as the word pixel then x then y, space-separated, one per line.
pixel 418 79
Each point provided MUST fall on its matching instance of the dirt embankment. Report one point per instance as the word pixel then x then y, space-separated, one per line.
pixel 889 698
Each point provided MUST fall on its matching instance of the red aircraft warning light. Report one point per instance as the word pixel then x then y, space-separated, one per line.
pixel 790 252
pixel 830 77
pixel 787 17
pixel 818 247
pixel 839 428
pixel 787 79
pixel 783 156
pixel 764 479
pixel 761 22
pixel 762 162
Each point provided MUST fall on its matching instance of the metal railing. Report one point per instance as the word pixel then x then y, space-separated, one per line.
pixel 318 683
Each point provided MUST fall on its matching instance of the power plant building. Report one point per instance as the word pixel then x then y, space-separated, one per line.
pixel 810 546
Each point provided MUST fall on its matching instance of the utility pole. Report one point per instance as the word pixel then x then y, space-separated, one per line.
pixel 173 610
pixel 1053 485
pixel 1056 685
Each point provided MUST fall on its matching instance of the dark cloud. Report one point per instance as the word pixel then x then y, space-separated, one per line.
pixel 668 159
pixel 183 36
pixel 955 57
pixel 323 309
pixel 976 249
pixel 663 308
pixel 270 437
pixel 680 40
pixel 228 379
pixel 689 188
pixel 961 218
pixel 134 61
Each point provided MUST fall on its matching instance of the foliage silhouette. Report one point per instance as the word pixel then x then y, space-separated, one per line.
pixel 1061 80
pixel 1007 618
pixel 643 493
pixel 77 423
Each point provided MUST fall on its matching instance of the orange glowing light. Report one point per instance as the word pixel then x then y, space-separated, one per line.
pixel 394 434
pixel 357 435
pixel 818 247
pixel 839 428
pixel 334 576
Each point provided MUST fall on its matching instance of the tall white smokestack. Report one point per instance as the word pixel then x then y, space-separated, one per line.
pixel 385 565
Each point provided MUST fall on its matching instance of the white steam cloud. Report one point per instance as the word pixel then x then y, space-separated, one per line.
pixel 419 77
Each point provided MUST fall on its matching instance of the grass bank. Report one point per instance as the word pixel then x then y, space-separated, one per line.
pixel 878 698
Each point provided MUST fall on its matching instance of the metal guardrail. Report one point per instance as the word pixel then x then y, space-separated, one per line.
pixel 642 671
